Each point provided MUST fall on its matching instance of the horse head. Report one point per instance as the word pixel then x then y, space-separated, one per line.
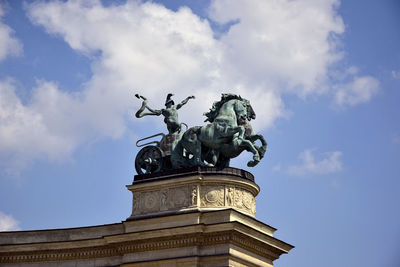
pixel 240 109
pixel 244 111
pixel 250 112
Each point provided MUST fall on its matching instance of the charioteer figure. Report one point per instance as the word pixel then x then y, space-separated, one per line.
pixel 153 158
pixel 170 112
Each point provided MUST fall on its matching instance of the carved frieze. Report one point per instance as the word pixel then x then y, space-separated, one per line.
pixel 248 200
pixel 136 203
pixel 230 195
pixel 164 199
pixel 151 201
pixel 193 195
pixel 179 197
pixel 212 196
pixel 238 198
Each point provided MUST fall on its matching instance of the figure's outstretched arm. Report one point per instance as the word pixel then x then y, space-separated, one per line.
pixel 184 101
pixel 154 111
pixel 140 113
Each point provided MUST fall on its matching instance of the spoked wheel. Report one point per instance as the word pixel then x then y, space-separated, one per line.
pixel 149 160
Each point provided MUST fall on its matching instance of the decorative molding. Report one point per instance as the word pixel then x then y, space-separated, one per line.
pixel 197 171
pixel 153 244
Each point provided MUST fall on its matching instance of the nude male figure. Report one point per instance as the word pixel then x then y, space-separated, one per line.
pixel 170 112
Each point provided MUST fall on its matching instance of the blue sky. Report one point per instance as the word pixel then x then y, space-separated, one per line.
pixel 322 76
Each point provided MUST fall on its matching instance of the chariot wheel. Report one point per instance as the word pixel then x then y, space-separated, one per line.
pixel 149 160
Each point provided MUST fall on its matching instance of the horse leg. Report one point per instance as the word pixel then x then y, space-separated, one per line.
pixel 212 157
pixel 196 151
pixel 193 146
pixel 177 159
pixel 263 148
pixel 222 162
pixel 252 149
pixel 240 141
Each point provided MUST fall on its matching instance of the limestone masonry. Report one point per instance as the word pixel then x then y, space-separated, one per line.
pixel 196 216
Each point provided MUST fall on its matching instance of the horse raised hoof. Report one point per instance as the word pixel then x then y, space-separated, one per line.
pixel 254 162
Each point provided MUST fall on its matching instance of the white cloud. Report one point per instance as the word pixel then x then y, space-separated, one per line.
pixel 8 223
pixel 9 45
pixel 396 74
pixel 353 70
pixel 358 91
pixel 275 47
pixel 144 47
pixel 25 132
pixel 330 163
pixel 281 45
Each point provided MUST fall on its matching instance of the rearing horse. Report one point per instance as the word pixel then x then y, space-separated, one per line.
pixel 223 138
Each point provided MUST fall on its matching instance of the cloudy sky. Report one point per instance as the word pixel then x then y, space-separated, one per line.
pixel 322 76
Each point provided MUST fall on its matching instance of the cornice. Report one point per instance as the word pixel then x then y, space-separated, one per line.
pixel 201 239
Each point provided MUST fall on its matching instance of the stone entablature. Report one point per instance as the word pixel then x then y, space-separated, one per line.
pixel 198 188
pixel 207 238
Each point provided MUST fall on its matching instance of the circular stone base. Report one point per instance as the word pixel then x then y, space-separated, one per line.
pixel 198 188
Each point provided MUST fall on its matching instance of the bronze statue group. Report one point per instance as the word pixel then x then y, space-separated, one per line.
pixel 227 134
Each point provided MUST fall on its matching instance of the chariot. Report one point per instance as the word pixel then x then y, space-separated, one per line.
pixel 155 155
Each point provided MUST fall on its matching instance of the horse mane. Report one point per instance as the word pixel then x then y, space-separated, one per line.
pixel 218 104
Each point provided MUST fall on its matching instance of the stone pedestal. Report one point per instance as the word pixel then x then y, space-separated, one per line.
pixel 217 207
pixel 193 189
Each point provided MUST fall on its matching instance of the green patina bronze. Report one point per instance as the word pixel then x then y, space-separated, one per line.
pixel 170 112
pixel 226 135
